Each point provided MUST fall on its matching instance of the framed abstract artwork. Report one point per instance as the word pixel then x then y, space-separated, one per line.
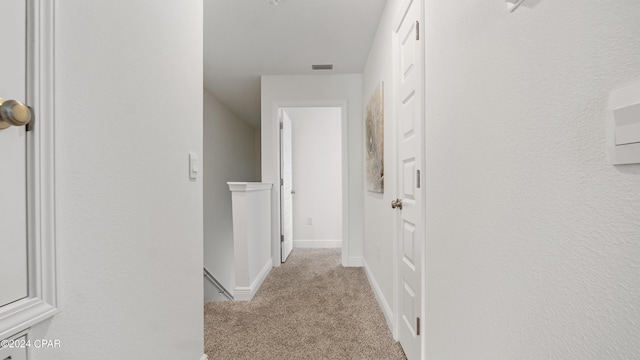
pixel 375 141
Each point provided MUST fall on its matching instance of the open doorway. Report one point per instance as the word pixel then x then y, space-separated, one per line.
pixel 311 172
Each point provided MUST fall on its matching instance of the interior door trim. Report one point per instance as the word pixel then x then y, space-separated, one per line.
pixel 41 303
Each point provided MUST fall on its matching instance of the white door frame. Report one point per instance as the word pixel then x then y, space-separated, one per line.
pixel 281 114
pixel 41 302
pixel 277 105
pixel 396 248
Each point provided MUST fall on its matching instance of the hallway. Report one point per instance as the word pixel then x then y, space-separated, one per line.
pixel 309 308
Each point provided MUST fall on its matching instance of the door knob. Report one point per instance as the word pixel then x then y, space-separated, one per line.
pixel 293 192
pixel 14 113
pixel 397 203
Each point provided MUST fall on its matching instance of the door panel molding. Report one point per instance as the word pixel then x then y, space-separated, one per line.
pixel 41 302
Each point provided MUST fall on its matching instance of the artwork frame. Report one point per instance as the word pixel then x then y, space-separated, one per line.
pixel 374 141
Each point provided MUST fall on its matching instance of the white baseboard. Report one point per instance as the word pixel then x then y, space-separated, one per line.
pixel 352 261
pixel 384 305
pixel 243 293
pixel 317 244
pixel 204 357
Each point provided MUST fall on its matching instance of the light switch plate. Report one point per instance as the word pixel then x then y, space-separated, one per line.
pixel 627 122
pixel 194 167
pixel 623 125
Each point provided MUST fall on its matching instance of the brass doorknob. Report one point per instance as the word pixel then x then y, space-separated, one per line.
pixel 397 203
pixel 14 113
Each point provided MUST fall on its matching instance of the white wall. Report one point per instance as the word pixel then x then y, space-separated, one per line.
pixel 318 90
pixel 128 219
pixel 317 176
pixel 533 238
pixel 229 155
pixel 379 218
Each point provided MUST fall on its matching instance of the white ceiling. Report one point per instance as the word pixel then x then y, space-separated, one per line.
pixel 244 39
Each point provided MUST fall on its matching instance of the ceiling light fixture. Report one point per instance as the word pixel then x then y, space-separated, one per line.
pixel 273 2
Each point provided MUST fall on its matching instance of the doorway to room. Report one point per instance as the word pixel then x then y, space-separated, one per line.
pixel 312 181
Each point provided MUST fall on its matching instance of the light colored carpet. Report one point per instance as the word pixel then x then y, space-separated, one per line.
pixel 309 308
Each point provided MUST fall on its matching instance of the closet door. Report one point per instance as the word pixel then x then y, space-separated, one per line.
pixel 13 157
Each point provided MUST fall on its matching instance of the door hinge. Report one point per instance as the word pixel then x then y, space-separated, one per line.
pixel 281 125
pixel 417 326
pixel 417 30
pixel 281 238
pixel 281 182
pixel 418 179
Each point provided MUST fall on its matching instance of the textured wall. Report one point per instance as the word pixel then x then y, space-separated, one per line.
pixel 128 219
pixel 229 155
pixel 533 238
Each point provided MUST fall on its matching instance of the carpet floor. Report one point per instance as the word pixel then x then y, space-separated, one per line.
pixel 309 308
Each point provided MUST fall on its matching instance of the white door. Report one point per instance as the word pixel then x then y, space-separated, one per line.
pixel 410 229
pixel 13 203
pixel 286 190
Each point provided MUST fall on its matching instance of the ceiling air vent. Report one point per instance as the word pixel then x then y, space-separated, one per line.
pixel 322 67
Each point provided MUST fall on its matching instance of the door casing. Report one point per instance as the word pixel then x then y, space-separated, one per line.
pixel 41 302
pixel 286 182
